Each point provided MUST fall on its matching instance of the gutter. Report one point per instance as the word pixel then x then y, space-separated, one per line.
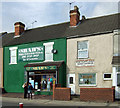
pixel 84 35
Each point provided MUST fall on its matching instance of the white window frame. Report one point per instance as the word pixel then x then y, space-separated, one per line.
pixel 107 78
pixel 11 49
pixel 48 44
pixel 83 49
pixel 91 85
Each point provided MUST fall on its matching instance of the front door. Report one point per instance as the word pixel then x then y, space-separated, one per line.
pixel 71 82
pixel 116 81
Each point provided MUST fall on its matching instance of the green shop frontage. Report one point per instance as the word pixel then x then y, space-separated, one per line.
pixel 43 75
pixel 36 62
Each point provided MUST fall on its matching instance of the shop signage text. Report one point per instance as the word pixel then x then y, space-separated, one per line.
pixel 85 62
pixel 30 54
pixel 41 68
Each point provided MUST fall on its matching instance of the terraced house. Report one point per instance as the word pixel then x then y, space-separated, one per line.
pixel 93 56
pixel 35 55
pixel 81 54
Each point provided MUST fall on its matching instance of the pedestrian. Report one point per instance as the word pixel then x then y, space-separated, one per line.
pixel 51 82
pixel 25 89
pixel 30 88
pixel 48 84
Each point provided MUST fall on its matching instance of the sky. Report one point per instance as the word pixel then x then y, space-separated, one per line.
pixel 38 14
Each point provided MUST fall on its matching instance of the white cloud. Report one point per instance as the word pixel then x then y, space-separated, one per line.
pixel 26 13
pixel 105 8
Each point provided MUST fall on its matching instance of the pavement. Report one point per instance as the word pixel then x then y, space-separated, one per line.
pixel 47 100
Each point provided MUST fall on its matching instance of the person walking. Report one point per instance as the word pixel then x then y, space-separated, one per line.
pixel 30 88
pixel 25 89
pixel 48 84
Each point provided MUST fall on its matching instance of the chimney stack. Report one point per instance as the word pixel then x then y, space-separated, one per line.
pixel 19 28
pixel 74 16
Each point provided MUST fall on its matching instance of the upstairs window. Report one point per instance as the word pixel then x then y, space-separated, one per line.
pixel 13 55
pixel 82 49
pixel 48 51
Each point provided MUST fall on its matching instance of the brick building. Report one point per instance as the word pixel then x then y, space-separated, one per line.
pixel 79 54
pixel 93 56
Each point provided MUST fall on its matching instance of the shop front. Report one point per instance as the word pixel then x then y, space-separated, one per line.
pixel 43 75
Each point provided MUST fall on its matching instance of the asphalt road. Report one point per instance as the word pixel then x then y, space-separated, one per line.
pixel 31 105
pixel 38 103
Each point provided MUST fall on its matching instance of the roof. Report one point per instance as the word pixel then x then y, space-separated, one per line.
pixel 87 27
pixel 7 38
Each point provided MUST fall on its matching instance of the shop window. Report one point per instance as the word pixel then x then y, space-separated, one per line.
pixel 87 79
pixel 42 82
pixel 107 76
pixel 82 49
pixel 71 80
pixel 48 51
pixel 13 55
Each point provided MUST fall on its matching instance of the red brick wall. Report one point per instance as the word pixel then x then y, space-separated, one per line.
pixel 61 93
pixel 97 94
pixel 74 16
pixel 19 30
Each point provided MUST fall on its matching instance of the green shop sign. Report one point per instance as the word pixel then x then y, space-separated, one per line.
pixel 40 68
pixel 31 54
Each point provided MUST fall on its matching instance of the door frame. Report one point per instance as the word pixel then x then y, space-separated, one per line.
pixel 71 85
pixel 117 88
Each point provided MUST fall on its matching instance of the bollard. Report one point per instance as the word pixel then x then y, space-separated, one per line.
pixel 20 105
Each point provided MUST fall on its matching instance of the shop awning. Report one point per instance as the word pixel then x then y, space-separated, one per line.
pixel 43 66
pixel 116 60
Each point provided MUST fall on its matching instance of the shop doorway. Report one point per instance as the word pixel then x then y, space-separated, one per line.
pixel 71 82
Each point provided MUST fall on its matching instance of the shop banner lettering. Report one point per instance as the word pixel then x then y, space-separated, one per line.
pixel 31 54
pixel 40 68
pixel 85 62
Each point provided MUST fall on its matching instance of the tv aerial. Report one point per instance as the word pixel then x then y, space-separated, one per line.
pixel 33 23
pixel 70 5
pixel 31 26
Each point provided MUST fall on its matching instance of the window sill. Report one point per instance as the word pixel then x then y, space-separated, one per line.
pixel 83 58
pixel 88 85
pixel 12 63
pixel 48 60
pixel 107 79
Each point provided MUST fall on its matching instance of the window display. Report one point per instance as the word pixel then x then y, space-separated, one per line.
pixel 43 82
pixel 87 79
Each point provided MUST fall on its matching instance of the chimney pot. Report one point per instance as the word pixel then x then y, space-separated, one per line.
pixel 83 17
pixel 19 28
pixel 75 8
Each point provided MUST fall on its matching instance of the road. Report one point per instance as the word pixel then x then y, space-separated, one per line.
pixel 38 103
